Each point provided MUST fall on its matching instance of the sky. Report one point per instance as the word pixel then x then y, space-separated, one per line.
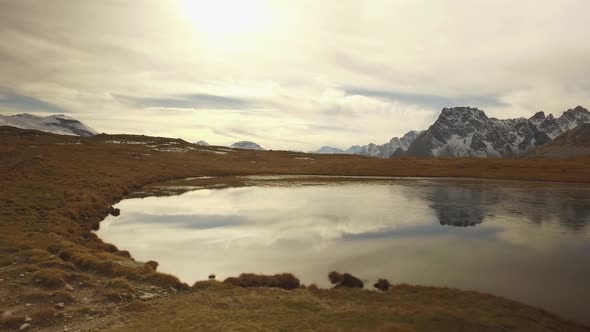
pixel 286 74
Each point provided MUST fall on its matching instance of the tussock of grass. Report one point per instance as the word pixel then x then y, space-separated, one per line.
pixel 210 285
pixel 283 280
pixel 164 280
pixel 51 278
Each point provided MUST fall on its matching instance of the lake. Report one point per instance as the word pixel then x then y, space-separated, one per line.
pixel 528 241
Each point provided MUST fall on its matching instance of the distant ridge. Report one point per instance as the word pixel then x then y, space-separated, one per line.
pixel 55 124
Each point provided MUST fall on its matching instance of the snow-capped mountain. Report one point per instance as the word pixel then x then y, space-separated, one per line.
pixel 329 150
pixel 246 145
pixel 468 132
pixel 373 150
pixel 55 124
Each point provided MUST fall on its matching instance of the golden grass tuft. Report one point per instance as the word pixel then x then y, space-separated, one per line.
pixel 51 278
pixel 283 280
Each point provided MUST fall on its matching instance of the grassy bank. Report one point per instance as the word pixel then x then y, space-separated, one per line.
pixel 55 190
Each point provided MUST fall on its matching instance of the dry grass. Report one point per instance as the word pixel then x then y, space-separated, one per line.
pixel 44 296
pixel 409 308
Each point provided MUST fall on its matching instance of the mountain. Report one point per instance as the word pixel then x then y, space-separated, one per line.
pixel 246 145
pixel 385 150
pixel 55 124
pixel 468 132
pixel 329 150
pixel 202 143
pixel 373 150
pixel 572 143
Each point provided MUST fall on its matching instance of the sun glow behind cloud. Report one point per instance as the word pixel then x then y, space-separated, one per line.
pixel 290 74
pixel 224 22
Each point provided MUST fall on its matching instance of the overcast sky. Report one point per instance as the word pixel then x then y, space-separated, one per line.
pixel 290 74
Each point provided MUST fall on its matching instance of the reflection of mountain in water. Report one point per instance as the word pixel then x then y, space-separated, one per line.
pixel 460 205
pixel 468 204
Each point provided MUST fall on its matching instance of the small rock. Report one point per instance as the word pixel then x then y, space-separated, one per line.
pixel 60 305
pixel 22 275
pixel 85 300
pixel 27 304
pixel 24 327
pixel 66 328
pixel 28 319
pixel 173 290
pixel 1 280
pixel 69 288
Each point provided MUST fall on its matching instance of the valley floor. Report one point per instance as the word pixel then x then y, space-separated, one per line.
pixel 55 190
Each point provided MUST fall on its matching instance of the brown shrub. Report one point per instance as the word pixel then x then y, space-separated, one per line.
pixel 51 278
pixel 283 280
pixel 345 280
pixel 382 285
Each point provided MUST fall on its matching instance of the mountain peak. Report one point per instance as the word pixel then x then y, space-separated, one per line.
pixel 463 111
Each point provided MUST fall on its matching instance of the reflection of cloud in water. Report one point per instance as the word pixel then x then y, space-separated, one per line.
pixel 383 229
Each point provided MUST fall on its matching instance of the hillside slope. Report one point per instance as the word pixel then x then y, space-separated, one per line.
pixel 572 143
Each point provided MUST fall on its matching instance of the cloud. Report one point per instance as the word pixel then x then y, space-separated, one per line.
pixel 192 101
pixel 15 101
pixel 314 73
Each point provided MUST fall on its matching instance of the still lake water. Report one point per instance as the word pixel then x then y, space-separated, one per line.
pixel 528 241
